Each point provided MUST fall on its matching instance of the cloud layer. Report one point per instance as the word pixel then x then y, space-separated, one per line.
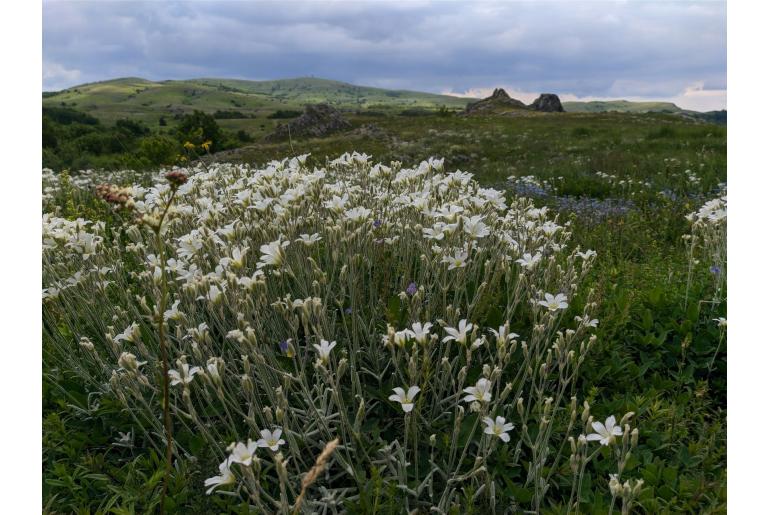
pixel 601 49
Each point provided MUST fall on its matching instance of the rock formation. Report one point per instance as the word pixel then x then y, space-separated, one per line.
pixel 317 121
pixel 547 102
pixel 498 100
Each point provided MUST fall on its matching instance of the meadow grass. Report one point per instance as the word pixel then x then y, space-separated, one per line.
pixel 658 351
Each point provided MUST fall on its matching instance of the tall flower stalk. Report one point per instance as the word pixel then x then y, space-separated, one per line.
pixel 175 179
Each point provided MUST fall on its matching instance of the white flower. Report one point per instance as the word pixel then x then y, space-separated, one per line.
pixel 400 337
pixel 434 233
pixel 498 427
pixel 173 313
pixel 549 228
pixel 554 303
pixel 475 226
pixel 250 282
pixel 214 294
pixel 325 349
pixel 587 321
pixel 528 260
pixel 271 440
pixel 606 432
pixel 587 254
pixel 212 365
pixel 308 239
pixel 721 321
pixel 337 204
pixel 480 392
pixel 243 453
pixel 226 477
pixel 449 212
pixel 405 398
pixel 358 214
pixel 460 335
pixel 131 334
pixel 272 253
pixel 184 375
pixel 456 261
pixel 503 334
pixel 420 332
pixel 237 259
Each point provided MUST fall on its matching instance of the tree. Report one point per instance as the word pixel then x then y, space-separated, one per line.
pixel 49 133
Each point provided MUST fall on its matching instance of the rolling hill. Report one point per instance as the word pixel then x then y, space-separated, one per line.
pixel 146 100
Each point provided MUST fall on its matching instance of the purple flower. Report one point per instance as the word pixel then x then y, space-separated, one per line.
pixel 348 311
pixel 287 348
pixel 377 223
pixel 411 289
pixel 715 270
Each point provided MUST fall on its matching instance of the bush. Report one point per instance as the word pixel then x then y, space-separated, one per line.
pixel 159 150
pixel 66 116
pixel 229 115
pixel 132 128
pixel 282 114
pixel 200 127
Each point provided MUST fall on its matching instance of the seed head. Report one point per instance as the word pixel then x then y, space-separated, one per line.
pixel 176 178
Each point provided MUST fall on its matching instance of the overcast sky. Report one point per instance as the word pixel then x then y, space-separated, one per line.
pixel 637 50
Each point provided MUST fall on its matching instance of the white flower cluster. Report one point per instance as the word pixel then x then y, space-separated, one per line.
pixel 708 241
pixel 712 212
pixel 285 282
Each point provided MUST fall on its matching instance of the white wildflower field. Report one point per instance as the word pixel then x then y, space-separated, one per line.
pixel 354 337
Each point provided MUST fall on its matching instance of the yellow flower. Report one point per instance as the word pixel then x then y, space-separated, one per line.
pixel 188 145
pixel 205 145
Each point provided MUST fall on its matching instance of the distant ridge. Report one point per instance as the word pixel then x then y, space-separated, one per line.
pixel 621 106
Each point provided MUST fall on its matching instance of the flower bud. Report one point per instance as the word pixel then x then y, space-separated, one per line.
pixel 616 488
pixel 128 362
pixel 586 411
pixel 86 343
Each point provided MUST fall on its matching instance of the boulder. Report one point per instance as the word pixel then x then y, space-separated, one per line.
pixel 547 102
pixel 316 121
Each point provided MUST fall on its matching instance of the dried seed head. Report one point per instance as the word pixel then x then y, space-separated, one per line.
pixel 176 178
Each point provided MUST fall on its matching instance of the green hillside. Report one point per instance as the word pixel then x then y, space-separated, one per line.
pixel 621 106
pixel 147 101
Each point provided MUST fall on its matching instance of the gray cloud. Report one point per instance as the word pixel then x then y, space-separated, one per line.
pixel 588 49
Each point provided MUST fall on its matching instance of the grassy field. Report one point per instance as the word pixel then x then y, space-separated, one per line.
pixel 624 182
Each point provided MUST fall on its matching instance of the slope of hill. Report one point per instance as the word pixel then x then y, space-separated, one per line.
pixel 148 101
pixel 622 106
pixel 625 106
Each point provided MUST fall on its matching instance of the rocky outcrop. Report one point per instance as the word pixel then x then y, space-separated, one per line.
pixel 316 121
pixel 498 100
pixel 547 102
